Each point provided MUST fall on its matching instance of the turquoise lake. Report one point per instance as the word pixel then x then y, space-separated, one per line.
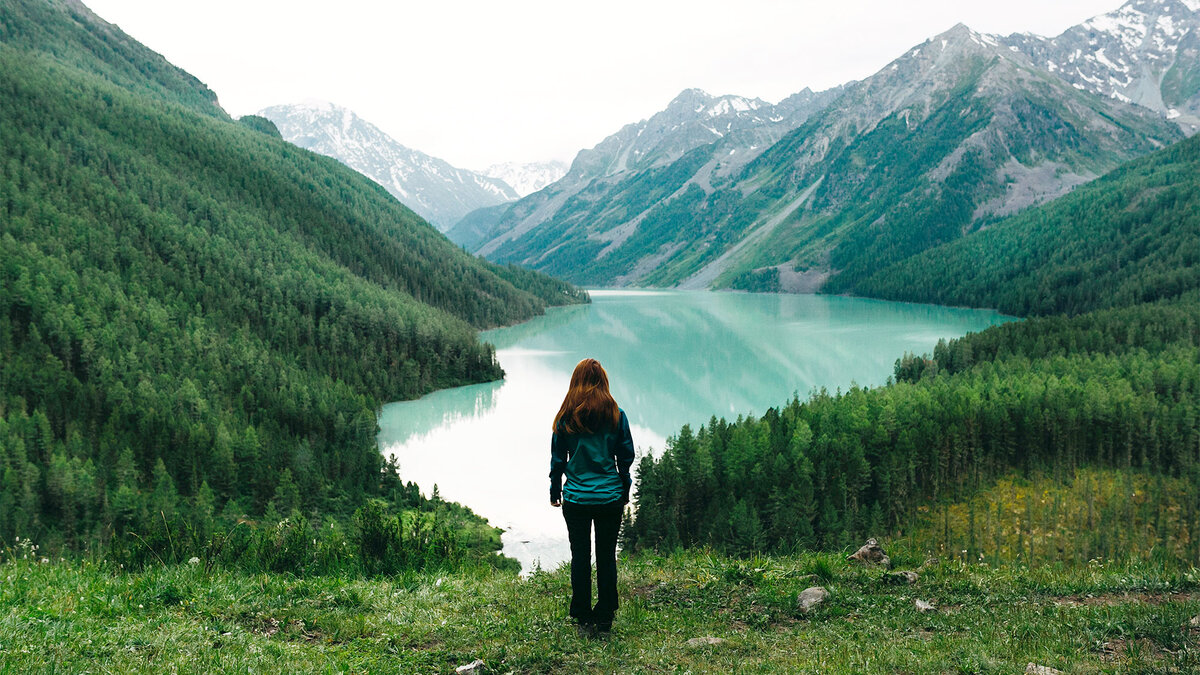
pixel 673 358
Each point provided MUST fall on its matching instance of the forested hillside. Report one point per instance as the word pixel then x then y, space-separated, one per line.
pixel 1108 379
pixel 199 319
pixel 72 35
pixel 1129 237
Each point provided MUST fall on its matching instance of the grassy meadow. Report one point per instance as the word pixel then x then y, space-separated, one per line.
pixel 76 617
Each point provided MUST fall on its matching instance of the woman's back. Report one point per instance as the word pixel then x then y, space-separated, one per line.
pixel 593 462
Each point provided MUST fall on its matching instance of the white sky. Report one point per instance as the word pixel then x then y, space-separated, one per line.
pixel 477 82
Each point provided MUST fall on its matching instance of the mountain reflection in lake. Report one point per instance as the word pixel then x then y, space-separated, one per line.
pixel 673 358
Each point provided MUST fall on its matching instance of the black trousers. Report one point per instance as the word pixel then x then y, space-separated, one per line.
pixel 607 518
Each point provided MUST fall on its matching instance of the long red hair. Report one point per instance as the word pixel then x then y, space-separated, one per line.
pixel 588 406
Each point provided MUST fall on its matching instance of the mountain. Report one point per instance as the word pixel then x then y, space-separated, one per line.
pixel 435 190
pixel 198 317
pixel 1146 52
pixel 527 178
pixel 717 134
pixel 692 119
pixel 957 132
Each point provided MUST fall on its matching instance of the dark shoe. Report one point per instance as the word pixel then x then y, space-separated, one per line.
pixel 603 626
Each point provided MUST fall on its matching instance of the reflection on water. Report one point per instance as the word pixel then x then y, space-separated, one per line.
pixel 673 358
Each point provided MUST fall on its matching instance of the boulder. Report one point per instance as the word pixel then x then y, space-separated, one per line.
pixel 704 641
pixel 905 577
pixel 870 554
pixel 811 597
pixel 475 667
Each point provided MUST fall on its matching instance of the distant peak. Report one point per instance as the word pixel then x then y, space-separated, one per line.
pixel 961 34
pixel 690 97
pixel 958 31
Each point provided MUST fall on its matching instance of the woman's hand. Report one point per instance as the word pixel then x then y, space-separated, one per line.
pixel 555 504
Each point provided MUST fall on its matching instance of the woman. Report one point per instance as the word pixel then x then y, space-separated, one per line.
pixel 591 443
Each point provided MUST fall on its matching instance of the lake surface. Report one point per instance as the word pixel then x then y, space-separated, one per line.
pixel 673 358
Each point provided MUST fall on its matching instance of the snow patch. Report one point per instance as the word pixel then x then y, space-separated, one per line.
pixel 1104 60
pixel 1166 24
pixel 1127 24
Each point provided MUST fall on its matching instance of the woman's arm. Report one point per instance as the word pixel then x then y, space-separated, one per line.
pixel 624 456
pixel 558 463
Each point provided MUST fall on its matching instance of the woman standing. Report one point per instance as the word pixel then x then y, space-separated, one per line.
pixel 591 443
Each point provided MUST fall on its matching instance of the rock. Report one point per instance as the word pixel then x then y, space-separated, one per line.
pixel 1194 622
pixel 1034 669
pixel 871 554
pixel 923 606
pixel 811 597
pixel 905 577
pixel 473 668
pixel 704 641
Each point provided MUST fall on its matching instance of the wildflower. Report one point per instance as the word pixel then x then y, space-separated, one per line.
pixel 193 560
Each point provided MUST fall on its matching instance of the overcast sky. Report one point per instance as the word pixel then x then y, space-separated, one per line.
pixel 480 82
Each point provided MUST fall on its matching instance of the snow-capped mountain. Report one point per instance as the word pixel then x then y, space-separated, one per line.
pixel 726 132
pixel 1146 52
pixel 437 191
pixel 694 118
pixel 529 177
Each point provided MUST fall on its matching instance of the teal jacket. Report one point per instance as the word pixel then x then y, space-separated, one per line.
pixel 597 465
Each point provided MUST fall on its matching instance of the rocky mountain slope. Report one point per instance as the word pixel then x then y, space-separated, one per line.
pixel 958 131
pixel 435 190
pixel 1146 52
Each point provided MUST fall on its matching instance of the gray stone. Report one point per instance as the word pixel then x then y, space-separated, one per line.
pixel 811 597
pixel 905 577
pixel 871 554
pixel 473 668
pixel 923 606
pixel 704 641
pixel 1034 669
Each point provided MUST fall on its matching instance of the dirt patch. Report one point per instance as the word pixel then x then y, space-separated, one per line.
pixel 1121 650
pixel 288 630
pixel 1109 599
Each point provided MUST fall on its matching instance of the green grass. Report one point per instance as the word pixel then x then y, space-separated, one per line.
pixel 78 616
